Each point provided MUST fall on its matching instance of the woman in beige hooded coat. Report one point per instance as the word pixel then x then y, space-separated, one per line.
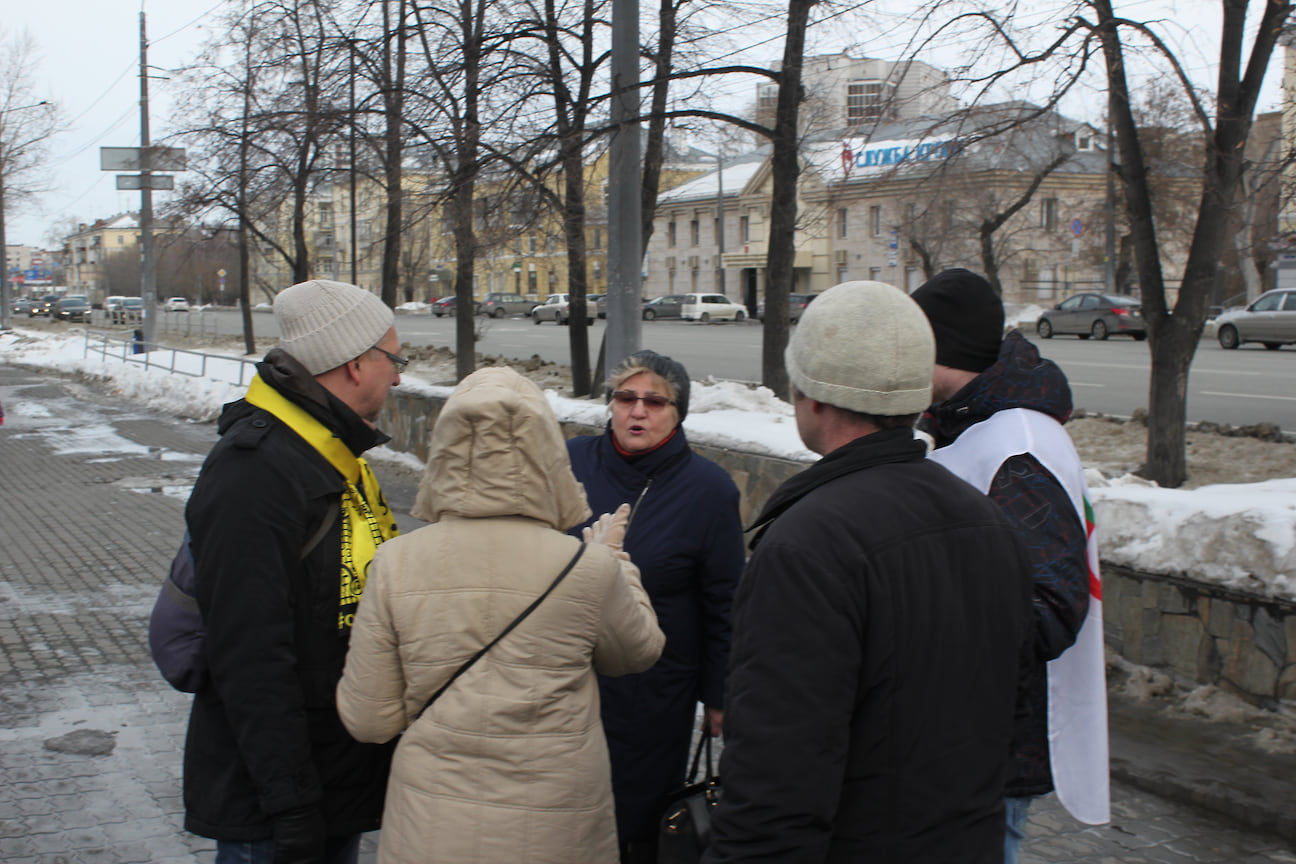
pixel 510 763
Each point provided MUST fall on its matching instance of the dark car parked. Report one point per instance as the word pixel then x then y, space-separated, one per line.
pixel 444 306
pixel 663 307
pixel 1096 315
pixel 71 307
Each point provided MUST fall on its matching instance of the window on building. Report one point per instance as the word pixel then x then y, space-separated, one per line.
pixel 531 280
pixel 598 238
pixel 531 244
pixel 693 232
pixel 326 214
pixel 875 220
pixel 875 274
pixel 864 101
pixel 842 274
pixel 1048 214
pixel 744 229
pixel 841 222
pixel 670 234
pixel 1084 139
pixel 767 97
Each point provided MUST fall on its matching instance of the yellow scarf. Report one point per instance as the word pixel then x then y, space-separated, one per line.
pixel 364 527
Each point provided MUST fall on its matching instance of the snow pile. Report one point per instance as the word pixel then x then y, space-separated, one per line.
pixel 1242 536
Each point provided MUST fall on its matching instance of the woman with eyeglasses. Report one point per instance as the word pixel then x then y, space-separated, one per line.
pixel 685 535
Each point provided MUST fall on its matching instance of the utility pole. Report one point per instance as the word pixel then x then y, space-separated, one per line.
pixel 625 255
pixel 355 260
pixel 148 273
pixel 1109 238
pixel 720 226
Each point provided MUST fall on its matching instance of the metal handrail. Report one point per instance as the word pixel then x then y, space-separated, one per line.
pixel 130 350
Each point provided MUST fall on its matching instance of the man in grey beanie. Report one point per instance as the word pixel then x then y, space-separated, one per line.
pixel 877 627
pixel 283 522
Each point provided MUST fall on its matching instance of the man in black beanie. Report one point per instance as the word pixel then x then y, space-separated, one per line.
pixel 996 421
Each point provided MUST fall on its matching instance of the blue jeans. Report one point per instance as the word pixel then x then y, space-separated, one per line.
pixel 341 850
pixel 1015 812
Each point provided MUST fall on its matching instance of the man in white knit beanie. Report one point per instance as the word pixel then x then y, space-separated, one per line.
pixel 283 522
pixel 878 623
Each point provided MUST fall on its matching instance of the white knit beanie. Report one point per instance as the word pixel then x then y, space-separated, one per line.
pixel 324 324
pixel 865 347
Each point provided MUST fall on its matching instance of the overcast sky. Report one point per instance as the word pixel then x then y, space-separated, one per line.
pixel 88 62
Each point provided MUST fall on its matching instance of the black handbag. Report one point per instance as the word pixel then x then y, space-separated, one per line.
pixel 685 826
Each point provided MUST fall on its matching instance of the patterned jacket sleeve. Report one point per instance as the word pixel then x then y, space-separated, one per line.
pixel 1054 538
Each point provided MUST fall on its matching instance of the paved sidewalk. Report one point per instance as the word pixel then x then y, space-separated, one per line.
pixel 92 490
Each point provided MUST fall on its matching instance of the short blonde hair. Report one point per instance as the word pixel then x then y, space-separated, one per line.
pixel 625 374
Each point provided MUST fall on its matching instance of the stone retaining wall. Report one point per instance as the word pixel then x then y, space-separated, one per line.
pixel 1196 631
pixel 1202 632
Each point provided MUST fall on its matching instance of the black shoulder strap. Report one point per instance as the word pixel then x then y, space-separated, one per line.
pixel 516 621
pixel 329 518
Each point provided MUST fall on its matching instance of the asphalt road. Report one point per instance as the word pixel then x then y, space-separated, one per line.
pixel 1246 386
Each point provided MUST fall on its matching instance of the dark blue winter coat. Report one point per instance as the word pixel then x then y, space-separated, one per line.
pixel 685 535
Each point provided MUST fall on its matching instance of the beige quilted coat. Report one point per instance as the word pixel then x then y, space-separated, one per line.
pixel 510 764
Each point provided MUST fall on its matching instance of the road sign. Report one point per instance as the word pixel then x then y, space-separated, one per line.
pixel 136 181
pixel 133 159
pixel 1077 227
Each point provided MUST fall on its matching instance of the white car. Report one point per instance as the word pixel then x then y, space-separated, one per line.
pixel 556 309
pixel 711 307
pixel 175 304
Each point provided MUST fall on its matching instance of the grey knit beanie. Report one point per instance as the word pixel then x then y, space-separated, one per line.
pixel 324 324
pixel 659 364
pixel 865 347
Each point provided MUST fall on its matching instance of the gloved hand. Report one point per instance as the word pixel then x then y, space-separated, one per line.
pixel 299 836
pixel 609 529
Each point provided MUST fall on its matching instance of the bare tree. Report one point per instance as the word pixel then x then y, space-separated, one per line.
pixel 26 122
pixel 1173 333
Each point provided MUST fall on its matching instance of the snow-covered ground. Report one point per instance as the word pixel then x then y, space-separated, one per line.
pixel 1240 535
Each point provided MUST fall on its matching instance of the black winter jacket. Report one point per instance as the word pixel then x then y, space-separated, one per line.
pixel 685 536
pixel 1051 530
pixel 264 734
pixel 877 634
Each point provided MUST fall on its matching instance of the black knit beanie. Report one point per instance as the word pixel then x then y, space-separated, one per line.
pixel 663 366
pixel 966 316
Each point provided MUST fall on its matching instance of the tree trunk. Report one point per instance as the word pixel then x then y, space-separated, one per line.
pixel 393 103
pixel 1167 462
pixel 785 169
pixel 574 229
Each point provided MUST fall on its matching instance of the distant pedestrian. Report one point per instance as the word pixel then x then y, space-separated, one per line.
pixel 877 627
pixel 685 535
pixel 285 518
pixel 509 764
pixel 997 423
